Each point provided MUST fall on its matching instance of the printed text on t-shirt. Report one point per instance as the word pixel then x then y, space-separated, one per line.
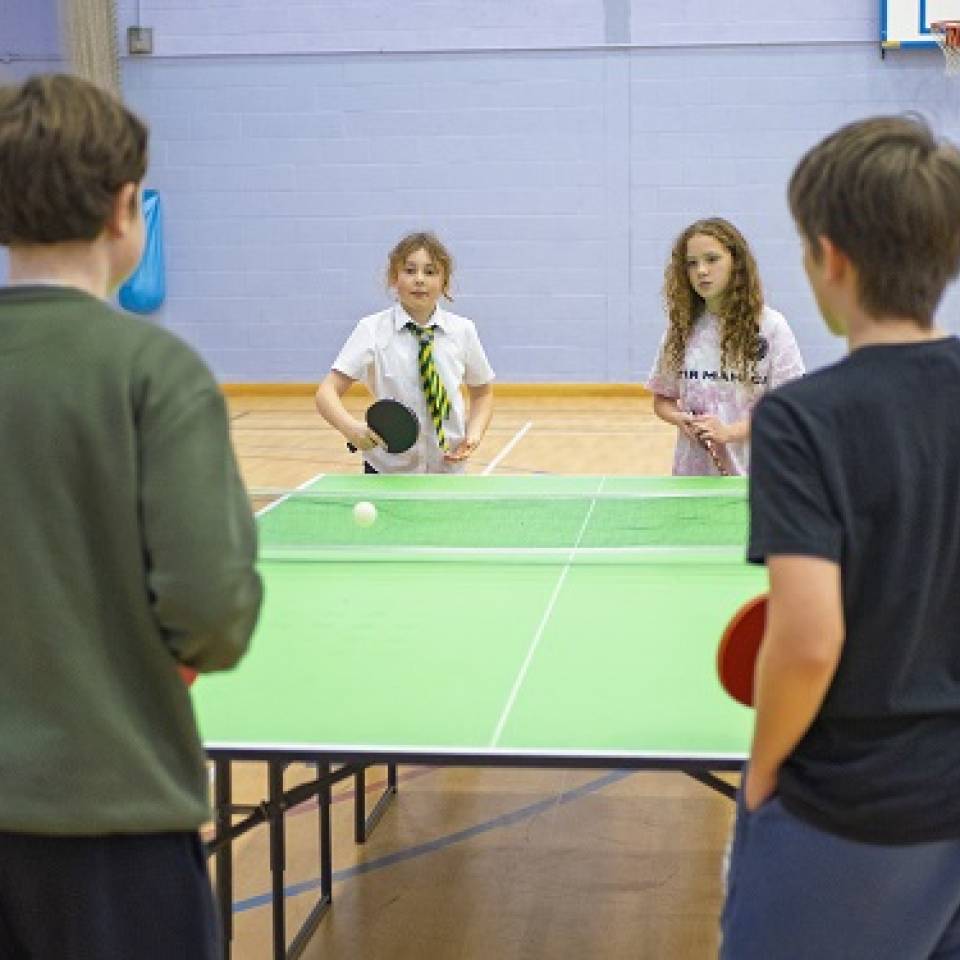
pixel 725 375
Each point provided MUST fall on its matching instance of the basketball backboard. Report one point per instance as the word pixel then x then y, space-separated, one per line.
pixel 906 23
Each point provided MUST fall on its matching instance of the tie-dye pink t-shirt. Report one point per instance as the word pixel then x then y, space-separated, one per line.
pixel 703 387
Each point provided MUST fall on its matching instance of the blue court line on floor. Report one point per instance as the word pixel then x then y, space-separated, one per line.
pixel 432 846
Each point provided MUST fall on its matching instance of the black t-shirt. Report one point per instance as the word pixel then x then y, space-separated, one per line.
pixel 859 463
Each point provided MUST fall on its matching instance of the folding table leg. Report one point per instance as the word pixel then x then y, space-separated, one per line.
pixel 223 858
pixel 325 851
pixel 714 782
pixel 362 824
pixel 277 860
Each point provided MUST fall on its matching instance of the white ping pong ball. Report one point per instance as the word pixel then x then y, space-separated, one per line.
pixel 364 513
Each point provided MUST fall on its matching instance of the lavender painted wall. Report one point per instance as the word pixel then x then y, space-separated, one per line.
pixel 29 43
pixel 556 145
pixel 29 30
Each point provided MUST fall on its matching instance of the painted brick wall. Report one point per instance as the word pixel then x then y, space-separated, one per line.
pixel 29 43
pixel 557 147
pixel 29 30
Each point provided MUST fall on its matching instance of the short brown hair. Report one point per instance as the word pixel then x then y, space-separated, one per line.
pixel 413 242
pixel 66 148
pixel 886 192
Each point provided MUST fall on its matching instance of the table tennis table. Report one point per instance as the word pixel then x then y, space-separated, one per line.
pixel 499 621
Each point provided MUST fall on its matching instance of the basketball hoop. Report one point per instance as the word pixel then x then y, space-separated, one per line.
pixel 947 35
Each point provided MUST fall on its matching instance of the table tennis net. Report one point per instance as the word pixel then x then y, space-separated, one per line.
pixel 319 526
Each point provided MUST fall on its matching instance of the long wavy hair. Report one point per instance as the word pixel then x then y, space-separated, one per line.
pixel 740 307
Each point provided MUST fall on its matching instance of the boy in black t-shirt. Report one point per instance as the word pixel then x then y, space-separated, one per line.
pixel 847 842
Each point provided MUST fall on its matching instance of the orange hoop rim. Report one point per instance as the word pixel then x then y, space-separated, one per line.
pixel 947 32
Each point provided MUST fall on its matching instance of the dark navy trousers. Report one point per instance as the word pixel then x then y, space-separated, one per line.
pixel 137 897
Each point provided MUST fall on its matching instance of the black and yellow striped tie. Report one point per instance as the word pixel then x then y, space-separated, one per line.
pixel 438 403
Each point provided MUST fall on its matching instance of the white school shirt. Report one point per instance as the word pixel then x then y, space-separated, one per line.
pixel 385 356
pixel 702 387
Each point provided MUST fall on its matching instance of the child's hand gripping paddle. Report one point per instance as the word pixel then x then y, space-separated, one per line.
pixel 711 447
pixel 394 423
pixel 739 646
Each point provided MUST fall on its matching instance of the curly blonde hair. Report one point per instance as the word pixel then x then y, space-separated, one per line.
pixel 437 252
pixel 739 312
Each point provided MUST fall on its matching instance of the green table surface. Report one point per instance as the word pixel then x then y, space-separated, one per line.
pixel 494 619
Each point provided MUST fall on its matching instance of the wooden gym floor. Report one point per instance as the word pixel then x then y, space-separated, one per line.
pixel 493 864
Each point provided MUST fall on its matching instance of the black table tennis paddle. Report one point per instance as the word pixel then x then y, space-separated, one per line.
pixel 394 423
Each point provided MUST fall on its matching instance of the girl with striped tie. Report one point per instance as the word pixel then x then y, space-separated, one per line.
pixel 420 354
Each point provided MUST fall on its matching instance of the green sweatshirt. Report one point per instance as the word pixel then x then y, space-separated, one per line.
pixel 126 544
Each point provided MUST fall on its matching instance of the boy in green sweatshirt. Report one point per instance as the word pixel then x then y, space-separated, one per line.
pixel 128 548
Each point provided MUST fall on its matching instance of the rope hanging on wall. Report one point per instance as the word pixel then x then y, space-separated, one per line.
pixel 89 29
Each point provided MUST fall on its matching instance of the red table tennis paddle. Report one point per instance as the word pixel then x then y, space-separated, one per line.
pixel 394 423
pixel 739 646
pixel 187 673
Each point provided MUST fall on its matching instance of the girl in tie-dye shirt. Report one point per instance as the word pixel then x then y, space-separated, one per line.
pixel 723 348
